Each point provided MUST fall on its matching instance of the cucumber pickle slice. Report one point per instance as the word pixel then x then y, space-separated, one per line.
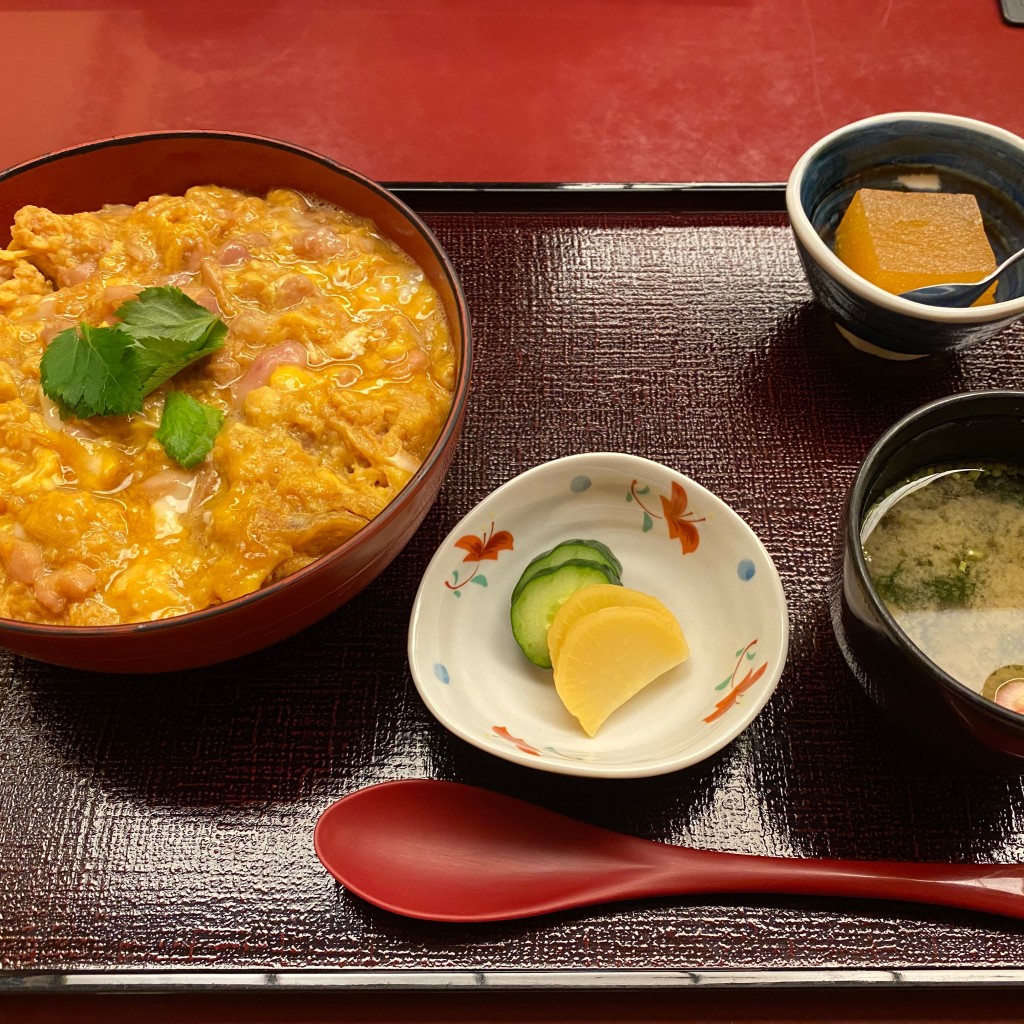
pixel 540 597
pixel 589 550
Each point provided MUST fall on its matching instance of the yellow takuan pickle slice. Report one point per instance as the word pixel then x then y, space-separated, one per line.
pixel 591 599
pixel 904 240
pixel 609 655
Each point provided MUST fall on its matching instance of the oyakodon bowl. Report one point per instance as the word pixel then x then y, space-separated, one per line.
pixel 908 152
pixel 131 169
pixel 919 696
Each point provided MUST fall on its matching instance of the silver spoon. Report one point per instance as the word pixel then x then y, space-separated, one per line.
pixel 959 295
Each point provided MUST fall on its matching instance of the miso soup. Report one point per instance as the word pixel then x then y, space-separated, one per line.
pixel 945 552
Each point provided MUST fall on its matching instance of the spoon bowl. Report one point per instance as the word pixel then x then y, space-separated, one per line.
pixel 959 295
pixel 444 851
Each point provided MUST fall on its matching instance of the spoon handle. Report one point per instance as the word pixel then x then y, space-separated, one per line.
pixel 993 888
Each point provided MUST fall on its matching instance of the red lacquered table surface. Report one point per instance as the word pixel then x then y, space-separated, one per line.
pixel 431 91
pixel 522 90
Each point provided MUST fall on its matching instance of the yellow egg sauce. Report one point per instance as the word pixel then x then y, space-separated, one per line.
pixel 335 380
pixel 905 240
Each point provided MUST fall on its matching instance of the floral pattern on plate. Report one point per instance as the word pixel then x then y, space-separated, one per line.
pixel 681 522
pixel 479 549
pixel 734 687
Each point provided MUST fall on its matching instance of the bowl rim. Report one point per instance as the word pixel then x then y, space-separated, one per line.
pixel 452 424
pixel 867 472
pixel 826 258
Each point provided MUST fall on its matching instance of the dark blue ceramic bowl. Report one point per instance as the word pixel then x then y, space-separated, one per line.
pixel 913 151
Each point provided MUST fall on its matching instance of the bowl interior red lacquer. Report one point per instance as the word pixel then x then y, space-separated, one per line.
pixel 129 170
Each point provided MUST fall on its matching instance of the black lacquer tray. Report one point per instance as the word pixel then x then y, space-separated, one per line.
pixel 156 832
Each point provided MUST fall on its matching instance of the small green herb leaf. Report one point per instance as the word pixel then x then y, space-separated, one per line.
pixel 188 428
pixel 170 314
pixel 92 371
pixel 170 330
pixel 159 359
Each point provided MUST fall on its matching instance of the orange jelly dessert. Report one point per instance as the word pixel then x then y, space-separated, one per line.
pixel 905 240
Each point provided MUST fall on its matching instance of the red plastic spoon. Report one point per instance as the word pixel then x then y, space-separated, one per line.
pixel 448 852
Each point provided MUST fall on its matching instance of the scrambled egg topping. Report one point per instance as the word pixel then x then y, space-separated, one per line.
pixel 335 380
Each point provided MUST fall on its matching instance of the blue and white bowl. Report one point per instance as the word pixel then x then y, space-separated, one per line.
pixel 911 151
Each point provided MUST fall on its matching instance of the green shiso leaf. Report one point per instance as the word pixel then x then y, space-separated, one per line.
pixel 188 428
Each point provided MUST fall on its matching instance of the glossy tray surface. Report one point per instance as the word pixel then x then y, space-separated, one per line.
pixel 165 823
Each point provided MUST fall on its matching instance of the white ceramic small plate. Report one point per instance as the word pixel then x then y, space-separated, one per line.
pixel 676 541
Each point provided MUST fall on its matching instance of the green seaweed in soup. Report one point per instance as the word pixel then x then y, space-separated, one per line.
pixel 945 551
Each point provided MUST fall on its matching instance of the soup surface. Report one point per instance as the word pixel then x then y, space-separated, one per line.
pixel 946 555
pixel 335 379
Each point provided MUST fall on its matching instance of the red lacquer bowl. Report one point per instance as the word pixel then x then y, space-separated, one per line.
pixel 133 168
